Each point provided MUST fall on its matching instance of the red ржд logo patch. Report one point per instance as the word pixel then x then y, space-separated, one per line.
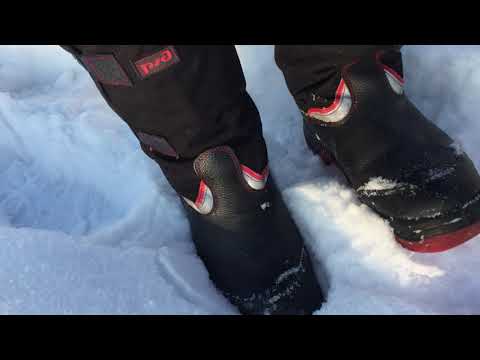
pixel 157 62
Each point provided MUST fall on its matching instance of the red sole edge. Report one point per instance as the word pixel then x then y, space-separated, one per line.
pixel 442 242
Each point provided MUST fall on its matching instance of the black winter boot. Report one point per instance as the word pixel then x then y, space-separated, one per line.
pixel 249 243
pixel 180 100
pixel 399 163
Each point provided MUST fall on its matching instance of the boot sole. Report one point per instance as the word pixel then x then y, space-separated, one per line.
pixel 442 242
pixel 429 244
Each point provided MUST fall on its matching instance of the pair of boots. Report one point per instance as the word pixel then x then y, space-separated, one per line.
pixel 181 100
pixel 399 164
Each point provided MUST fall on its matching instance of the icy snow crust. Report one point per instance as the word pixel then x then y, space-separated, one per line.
pixel 89 225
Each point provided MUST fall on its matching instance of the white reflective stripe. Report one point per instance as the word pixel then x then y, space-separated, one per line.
pixel 394 82
pixel 254 180
pixel 339 112
pixel 204 203
pixel 254 183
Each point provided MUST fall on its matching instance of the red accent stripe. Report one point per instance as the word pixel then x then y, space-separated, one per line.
pixel 334 106
pixel 255 175
pixel 442 242
pixel 201 194
pixel 394 74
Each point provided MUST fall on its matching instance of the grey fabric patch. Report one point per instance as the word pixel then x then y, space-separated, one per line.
pixel 106 69
pixel 157 144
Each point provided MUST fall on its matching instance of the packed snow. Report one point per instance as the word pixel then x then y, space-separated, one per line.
pixel 379 184
pixel 89 225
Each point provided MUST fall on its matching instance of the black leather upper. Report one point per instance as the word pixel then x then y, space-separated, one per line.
pixel 385 136
pixel 249 243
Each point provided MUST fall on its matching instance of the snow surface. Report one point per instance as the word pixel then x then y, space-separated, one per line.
pixel 89 225
pixel 379 184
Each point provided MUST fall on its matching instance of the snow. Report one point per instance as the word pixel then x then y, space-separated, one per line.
pixel 379 184
pixel 89 225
